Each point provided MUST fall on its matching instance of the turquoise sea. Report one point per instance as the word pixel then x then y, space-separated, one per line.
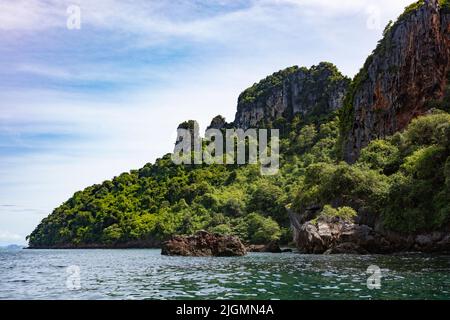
pixel 145 274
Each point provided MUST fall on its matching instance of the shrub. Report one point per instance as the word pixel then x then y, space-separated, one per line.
pixel 342 185
pixel 222 229
pixel 425 163
pixel 381 155
pixel 306 138
pixel 261 230
pixel 268 200
pixel 428 130
pixel 345 213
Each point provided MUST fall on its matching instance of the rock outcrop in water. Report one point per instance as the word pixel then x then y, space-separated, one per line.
pixel 271 247
pixel 336 236
pixel 408 69
pixel 204 244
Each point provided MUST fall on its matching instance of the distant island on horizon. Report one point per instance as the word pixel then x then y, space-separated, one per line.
pixel 12 247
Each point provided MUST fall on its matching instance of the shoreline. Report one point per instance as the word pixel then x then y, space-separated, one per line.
pixel 294 250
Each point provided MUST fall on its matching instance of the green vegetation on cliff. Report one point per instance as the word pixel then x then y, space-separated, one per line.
pixel 404 180
pixel 321 77
pixel 266 85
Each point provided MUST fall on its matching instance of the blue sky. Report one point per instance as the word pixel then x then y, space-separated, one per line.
pixel 80 106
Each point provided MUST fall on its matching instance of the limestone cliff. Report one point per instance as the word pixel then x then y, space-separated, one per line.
pixel 218 123
pixel 407 71
pixel 310 92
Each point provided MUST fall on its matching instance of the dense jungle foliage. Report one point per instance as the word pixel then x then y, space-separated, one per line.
pixel 404 179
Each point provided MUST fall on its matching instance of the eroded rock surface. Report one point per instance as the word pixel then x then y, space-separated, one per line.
pixel 408 69
pixel 336 236
pixel 204 244
pixel 309 92
pixel 272 247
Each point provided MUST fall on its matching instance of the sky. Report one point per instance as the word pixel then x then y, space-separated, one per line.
pixel 81 105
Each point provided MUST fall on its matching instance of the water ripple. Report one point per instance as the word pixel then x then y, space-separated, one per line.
pixel 145 274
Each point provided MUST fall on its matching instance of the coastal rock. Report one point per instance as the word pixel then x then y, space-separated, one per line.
pixel 408 69
pixel 432 242
pixel 346 248
pixel 424 240
pixel 309 240
pixel 445 243
pixel 337 236
pixel 204 244
pixel 272 247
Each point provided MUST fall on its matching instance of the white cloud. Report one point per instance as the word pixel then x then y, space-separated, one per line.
pixel 329 7
pixel 6 236
pixel 118 134
pixel 106 72
pixel 159 19
pixel 29 15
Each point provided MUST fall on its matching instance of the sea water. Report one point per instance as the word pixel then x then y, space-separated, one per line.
pixel 145 274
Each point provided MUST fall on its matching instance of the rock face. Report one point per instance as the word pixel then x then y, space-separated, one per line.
pixel 338 236
pixel 204 244
pixel 408 69
pixel 218 123
pixel 309 92
pixel 335 236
